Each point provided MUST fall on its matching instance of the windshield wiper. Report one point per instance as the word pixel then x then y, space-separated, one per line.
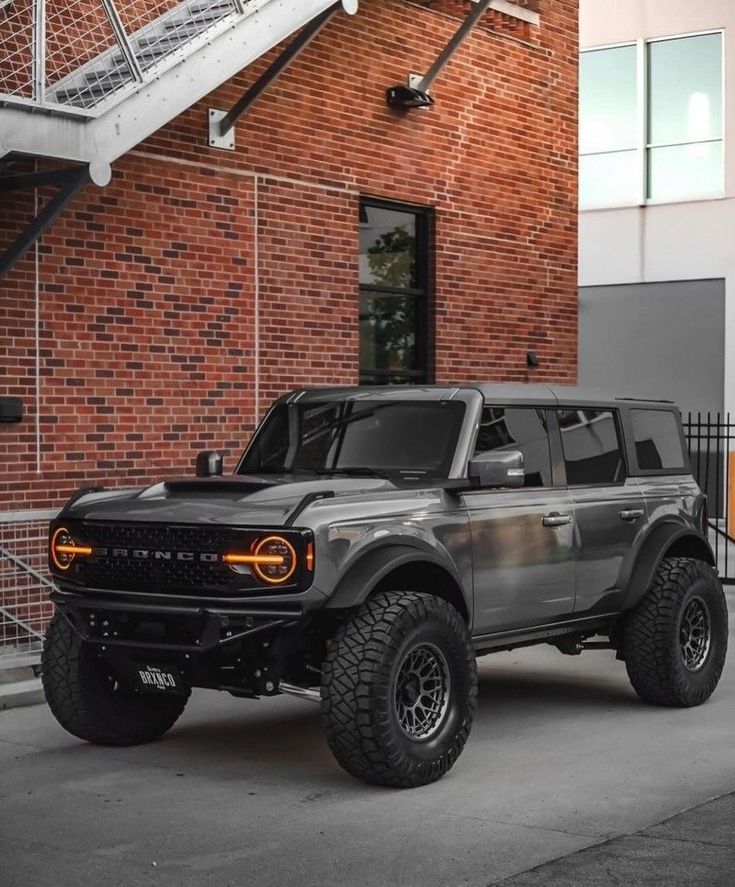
pixel 354 471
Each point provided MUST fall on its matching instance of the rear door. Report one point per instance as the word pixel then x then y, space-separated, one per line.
pixel 522 539
pixel 609 508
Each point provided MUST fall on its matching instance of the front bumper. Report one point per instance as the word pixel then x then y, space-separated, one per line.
pixel 196 628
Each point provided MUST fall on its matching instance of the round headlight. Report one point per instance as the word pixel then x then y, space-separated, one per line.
pixel 64 549
pixel 275 547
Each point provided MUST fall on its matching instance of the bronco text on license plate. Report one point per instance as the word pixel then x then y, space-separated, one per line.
pixel 159 678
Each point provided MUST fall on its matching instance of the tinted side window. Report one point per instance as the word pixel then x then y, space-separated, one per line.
pixel 657 439
pixel 518 429
pixel 592 450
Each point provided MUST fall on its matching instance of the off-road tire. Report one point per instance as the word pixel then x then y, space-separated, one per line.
pixel 87 701
pixel 652 635
pixel 359 679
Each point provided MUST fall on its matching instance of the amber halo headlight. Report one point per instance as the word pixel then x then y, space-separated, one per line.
pixel 273 560
pixel 64 549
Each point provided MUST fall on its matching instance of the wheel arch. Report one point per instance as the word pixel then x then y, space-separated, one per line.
pixel 666 540
pixel 400 568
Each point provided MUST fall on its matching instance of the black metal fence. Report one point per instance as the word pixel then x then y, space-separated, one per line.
pixel 711 443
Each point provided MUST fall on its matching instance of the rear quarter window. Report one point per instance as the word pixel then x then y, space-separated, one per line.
pixel 657 440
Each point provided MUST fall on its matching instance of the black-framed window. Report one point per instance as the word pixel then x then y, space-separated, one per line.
pixel 395 276
pixel 593 452
pixel 658 441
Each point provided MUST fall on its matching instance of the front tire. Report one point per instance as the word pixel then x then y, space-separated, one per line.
pixel 399 690
pixel 87 700
pixel 675 640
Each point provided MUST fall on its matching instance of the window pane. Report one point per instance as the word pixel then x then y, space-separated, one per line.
pixel 607 99
pixel 685 89
pixel 387 247
pixel 592 451
pixel 609 179
pixel 657 439
pixel 523 430
pixel 685 171
pixel 387 332
pixel 407 438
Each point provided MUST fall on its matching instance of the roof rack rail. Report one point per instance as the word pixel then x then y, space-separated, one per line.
pixel 647 399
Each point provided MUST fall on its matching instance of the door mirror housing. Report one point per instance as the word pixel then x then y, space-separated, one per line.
pixel 498 468
pixel 208 464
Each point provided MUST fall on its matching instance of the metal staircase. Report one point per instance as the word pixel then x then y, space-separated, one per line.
pixel 87 80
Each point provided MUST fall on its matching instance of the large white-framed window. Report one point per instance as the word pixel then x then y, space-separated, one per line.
pixel 652 121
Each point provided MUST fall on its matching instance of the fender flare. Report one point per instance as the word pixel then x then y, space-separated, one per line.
pixel 359 580
pixel 653 551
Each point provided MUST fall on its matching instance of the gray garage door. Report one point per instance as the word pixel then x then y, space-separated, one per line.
pixel 656 339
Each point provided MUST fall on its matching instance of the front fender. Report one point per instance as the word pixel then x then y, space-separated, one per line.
pixel 363 575
pixel 685 541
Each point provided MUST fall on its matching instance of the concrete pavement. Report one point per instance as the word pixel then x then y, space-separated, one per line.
pixel 562 757
pixel 694 848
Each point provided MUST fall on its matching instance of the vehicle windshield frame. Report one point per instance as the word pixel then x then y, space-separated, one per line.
pixel 347 411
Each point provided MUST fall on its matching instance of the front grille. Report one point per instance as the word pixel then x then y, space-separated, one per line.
pixel 168 559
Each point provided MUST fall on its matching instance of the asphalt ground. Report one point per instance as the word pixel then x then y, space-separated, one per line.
pixel 566 779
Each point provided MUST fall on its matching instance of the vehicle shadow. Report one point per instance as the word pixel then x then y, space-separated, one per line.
pixel 289 740
pixel 280 741
pixel 509 687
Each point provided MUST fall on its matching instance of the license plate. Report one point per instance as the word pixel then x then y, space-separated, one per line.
pixel 159 679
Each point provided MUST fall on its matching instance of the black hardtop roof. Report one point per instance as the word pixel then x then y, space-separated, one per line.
pixel 492 392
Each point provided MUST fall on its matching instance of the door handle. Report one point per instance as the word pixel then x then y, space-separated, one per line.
pixel 631 514
pixel 554 519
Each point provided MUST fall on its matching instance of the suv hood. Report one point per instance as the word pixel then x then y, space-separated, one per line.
pixel 235 500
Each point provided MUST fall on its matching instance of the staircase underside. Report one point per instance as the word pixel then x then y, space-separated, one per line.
pixel 115 100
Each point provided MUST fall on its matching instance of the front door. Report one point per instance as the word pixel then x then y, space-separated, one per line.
pixel 522 539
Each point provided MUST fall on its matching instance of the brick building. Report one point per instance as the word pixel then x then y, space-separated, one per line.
pixel 341 239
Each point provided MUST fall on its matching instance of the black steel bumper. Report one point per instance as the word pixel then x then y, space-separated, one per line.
pixel 195 628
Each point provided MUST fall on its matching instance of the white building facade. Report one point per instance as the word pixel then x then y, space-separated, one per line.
pixel 657 200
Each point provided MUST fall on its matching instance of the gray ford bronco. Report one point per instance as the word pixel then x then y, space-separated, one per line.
pixel 369 545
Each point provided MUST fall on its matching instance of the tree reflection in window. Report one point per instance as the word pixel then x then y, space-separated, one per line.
pixel 393 294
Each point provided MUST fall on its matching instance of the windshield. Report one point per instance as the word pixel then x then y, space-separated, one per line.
pixel 396 439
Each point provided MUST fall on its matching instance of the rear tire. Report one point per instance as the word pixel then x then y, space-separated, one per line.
pixel 87 700
pixel 399 690
pixel 675 640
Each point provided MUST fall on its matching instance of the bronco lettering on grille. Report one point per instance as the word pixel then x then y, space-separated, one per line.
pixel 141 554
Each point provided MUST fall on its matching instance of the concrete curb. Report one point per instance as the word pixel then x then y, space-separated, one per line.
pixel 21 693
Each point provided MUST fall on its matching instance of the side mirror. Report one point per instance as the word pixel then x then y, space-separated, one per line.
pixel 498 468
pixel 209 464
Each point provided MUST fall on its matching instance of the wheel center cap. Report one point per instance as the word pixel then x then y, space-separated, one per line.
pixel 411 691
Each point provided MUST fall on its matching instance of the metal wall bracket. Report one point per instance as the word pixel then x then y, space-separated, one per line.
pixel 216 140
pixel 221 123
pixel 416 95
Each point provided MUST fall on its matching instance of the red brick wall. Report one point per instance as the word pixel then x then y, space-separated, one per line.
pixel 147 287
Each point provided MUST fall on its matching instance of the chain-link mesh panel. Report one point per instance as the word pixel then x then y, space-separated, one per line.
pixel 24 586
pixel 17 36
pixel 77 33
pixel 165 27
pixel 94 49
